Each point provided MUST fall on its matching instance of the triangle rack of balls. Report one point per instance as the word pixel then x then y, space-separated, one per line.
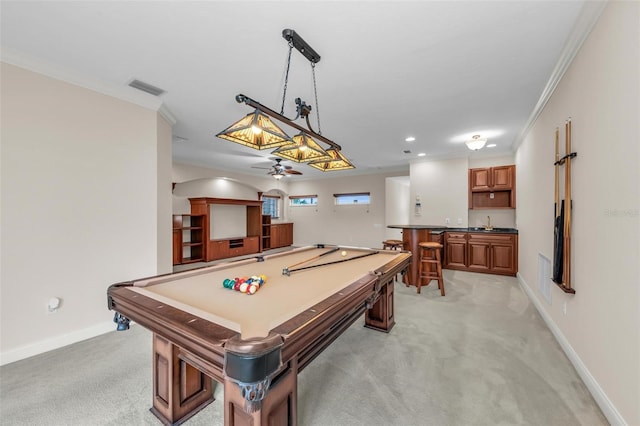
pixel 247 285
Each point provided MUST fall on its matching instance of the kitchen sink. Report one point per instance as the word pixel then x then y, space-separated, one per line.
pixel 482 229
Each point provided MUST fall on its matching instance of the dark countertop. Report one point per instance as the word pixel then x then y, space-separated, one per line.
pixel 439 229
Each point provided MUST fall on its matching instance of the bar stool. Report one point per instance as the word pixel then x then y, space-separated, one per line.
pixel 430 255
pixel 392 245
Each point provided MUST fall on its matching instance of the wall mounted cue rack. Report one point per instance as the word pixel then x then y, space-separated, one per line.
pixel 562 215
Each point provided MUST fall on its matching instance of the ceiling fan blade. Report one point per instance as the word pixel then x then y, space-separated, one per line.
pixel 276 168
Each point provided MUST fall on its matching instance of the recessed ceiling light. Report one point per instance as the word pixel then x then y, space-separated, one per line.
pixel 410 139
pixel 422 154
pixel 491 145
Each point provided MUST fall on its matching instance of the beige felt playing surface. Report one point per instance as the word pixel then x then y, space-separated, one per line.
pixel 200 292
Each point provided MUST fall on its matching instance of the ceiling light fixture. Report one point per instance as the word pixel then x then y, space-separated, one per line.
pixel 258 131
pixel 303 150
pixel 410 139
pixel 476 142
pixel 337 162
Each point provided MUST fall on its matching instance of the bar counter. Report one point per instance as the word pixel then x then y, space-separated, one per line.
pixel 412 235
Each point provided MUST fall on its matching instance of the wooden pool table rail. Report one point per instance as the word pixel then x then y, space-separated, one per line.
pixel 187 351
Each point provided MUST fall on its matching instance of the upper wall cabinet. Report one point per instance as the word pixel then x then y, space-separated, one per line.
pixel 492 178
pixel 492 187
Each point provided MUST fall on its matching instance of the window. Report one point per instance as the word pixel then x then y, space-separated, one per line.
pixel 270 205
pixel 303 200
pixel 352 199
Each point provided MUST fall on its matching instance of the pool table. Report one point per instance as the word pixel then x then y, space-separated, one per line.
pixel 255 345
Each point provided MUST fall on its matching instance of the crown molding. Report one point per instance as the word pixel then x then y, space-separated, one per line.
pixel 167 115
pixel 125 93
pixel 587 19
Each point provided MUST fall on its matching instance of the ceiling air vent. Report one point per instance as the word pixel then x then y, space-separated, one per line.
pixel 146 87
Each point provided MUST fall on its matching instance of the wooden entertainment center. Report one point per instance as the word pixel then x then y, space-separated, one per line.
pixel 196 232
pixel 233 246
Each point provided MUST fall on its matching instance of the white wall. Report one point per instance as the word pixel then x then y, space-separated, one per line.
pixel 443 190
pixel 193 181
pixel 478 162
pixel 186 172
pixel 79 207
pixel 600 92
pixel 357 225
pixel 396 205
pixel 163 191
pixel 217 187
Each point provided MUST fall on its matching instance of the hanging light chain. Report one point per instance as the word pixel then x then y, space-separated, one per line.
pixel 315 91
pixel 286 78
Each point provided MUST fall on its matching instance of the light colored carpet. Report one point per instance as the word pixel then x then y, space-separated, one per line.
pixel 481 355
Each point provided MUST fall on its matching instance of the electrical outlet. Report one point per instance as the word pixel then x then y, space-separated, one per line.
pixel 447 221
pixel 459 221
pixel 564 308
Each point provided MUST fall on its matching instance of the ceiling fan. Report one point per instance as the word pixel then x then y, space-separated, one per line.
pixel 279 170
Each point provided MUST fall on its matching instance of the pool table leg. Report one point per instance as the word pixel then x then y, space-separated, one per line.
pixel 279 407
pixel 380 316
pixel 179 389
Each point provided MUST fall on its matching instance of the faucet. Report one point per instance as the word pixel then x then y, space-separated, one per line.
pixel 488 227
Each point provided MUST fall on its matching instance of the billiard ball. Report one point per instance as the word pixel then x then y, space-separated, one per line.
pixel 343 253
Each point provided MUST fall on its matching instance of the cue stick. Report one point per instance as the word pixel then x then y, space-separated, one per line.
pixel 557 220
pixel 567 216
pixel 335 261
pixel 286 270
pixel 557 184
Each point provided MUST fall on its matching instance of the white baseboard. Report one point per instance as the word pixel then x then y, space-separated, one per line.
pixel 608 409
pixel 55 342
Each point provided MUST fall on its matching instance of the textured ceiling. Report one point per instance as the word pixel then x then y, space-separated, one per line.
pixel 438 71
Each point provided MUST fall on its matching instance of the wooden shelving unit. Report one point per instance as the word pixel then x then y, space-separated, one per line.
pixel 266 232
pixel 276 235
pixel 188 238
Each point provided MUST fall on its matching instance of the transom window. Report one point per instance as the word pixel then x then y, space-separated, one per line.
pixel 303 200
pixel 353 198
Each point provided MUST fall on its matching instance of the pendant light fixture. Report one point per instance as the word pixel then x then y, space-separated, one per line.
pixel 303 150
pixel 258 130
pixel 337 162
